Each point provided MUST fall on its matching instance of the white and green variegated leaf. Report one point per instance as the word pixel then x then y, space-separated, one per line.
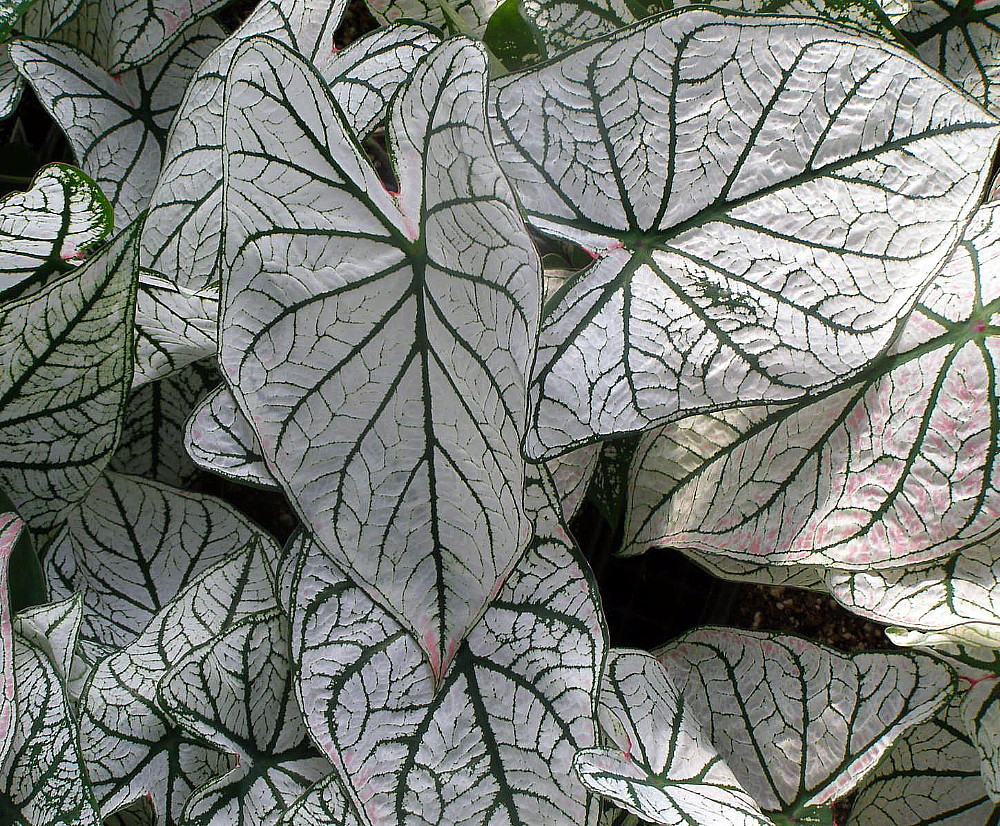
pixel 45 231
pixel 132 545
pixel 116 124
pixel 152 441
pixel 660 764
pixel 401 432
pixel 139 813
pixel 898 468
pixel 961 39
pixel 178 302
pixel 65 365
pixel 896 10
pixel 10 12
pixel 236 693
pixel 929 778
pixel 571 475
pixel 53 628
pixel 42 780
pixel 751 246
pixel 131 746
pixel 800 724
pixel 10 528
pixel 495 740
pixel 219 438
pixel 981 716
pixel 459 16
pixel 323 804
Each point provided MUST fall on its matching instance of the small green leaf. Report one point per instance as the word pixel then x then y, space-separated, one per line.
pixel 510 38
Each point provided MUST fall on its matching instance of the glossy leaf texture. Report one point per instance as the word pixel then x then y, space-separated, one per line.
pixel 757 239
pixel 929 778
pixel 47 230
pixel 65 365
pixel 399 426
pixel 236 693
pixel 116 124
pixel 131 746
pixel 494 740
pixel 800 724
pixel 660 765
pixel 132 545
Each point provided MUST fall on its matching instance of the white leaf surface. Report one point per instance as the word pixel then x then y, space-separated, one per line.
pixel 53 628
pixel 800 724
pixel 981 718
pixel 467 16
pixel 571 474
pixel 323 804
pixel 65 364
pixel 399 427
pixel 764 212
pixel 10 527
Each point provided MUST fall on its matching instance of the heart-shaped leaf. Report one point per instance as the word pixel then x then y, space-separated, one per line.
pixel 760 232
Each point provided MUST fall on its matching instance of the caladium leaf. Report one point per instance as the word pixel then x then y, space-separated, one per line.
pixel 44 230
pixel 458 16
pixel 981 716
pixel 401 432
pixel 456 752
pixel 961 39
pixel 10 11
pixel 10 526
pixel 662 766
pixel 116 124
pixel 220 438
pixel 152 441
pixel 53 628
pixel 325 803
pixel 42 779
pixel 735 262
pixel 134 544
pixel 131 746
pixel 571 475
pixel 800 724
pixel 65 364
pixel 236 693
pixel 929 778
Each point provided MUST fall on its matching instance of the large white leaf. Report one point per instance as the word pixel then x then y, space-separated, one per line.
pixel 132 545
pixel 65 364
pixel 981 718
pixel 662 767
pixel 236 693
pixel 45 230
pixel 929 778
pixel 800 724
pixel 54 629
pixel 763 212
pixel 131 746
pixel 324 804
pixel 10 527
pixel 116 124
pixel 495 740
pixel 379 342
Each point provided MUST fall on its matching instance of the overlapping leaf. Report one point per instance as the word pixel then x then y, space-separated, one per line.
pixel 131 746
pixel 116 124
pixel 757 238
pixel 800 724
pixel 395 422
pixel 981 716
pixel 65 365
pixel 663 767
pixel 132 545
pixel 236 693
pixel 495 740
pixel 323 804
pixel 10 526
pixel 466 16
pixel 53 628
pixel 44 230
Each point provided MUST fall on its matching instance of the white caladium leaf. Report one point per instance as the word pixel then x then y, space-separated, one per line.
pixel 236 693
pixel 53 628
pixel 894 469
pixel 929 778
pixel 981 716
pixel 116 124
pixel 961 39
pixel 10 527
pixel 42 779
pixel 65 364
pixel 662 767
pixel 458 753
pixel 737 256
pixel 132 545
pixel 324 804
pixel 465 16
pixel 571 474
pixel 152 441
pixel 131 746
pixel 800 724
pixel 46 230
pixel 177 314
pixel 219 438
pixel 402 432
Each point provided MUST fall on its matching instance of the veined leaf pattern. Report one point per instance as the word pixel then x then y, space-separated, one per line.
pixel 323 804
pixel 401 430
pixel 457 753
pixel 981 718
pixel 45 231
pixel 662 767
pixel 53 628
pixel 800 724
pixel 756 239
pixel 65 365
pixel 10 527
pixel 465 16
